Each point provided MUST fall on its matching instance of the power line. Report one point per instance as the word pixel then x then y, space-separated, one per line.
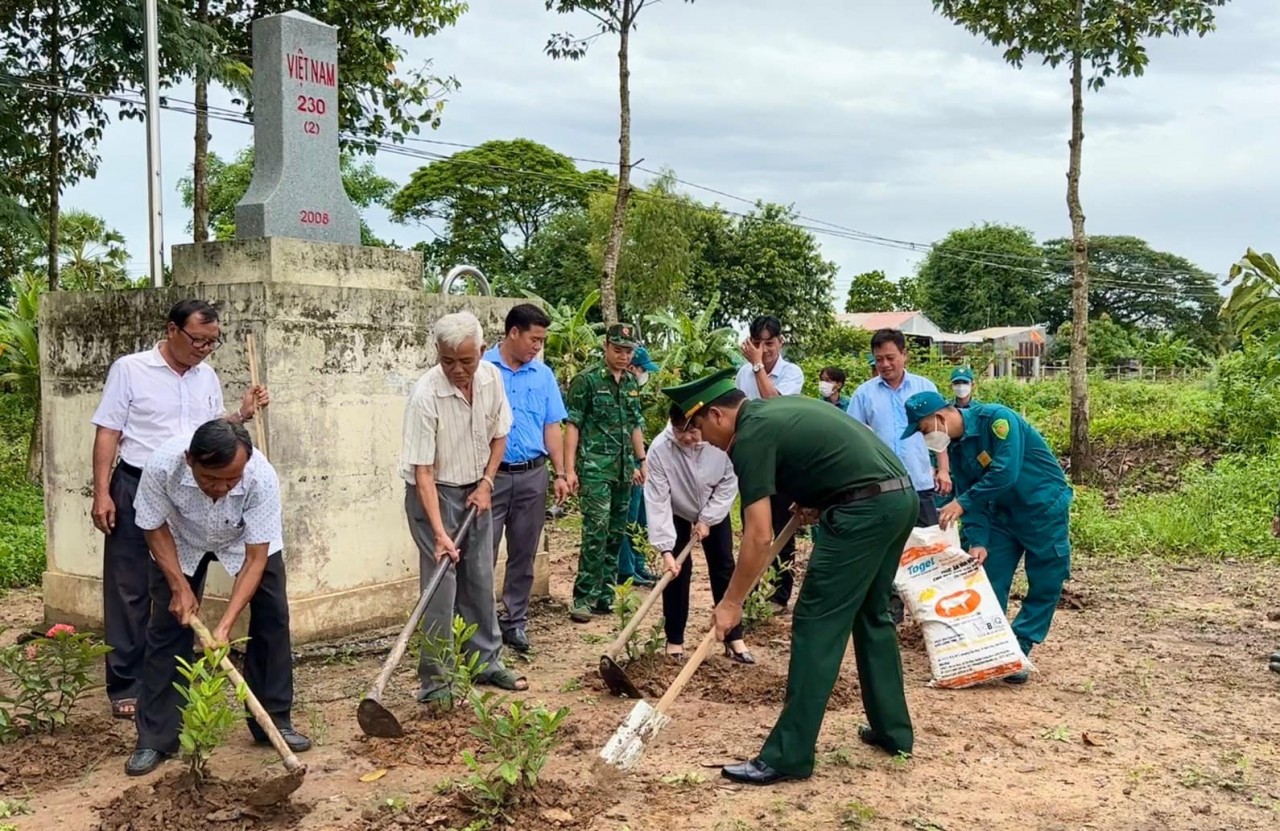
pixel 1102 280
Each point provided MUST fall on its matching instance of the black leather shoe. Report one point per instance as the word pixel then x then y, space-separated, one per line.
pixel 871 737
pixel 743 657
pixel 297 742
pixel 517 640
pixel 143 761
pixel 755 772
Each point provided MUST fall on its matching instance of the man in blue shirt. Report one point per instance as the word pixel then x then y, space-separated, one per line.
pixel 520 488
pixel 881 404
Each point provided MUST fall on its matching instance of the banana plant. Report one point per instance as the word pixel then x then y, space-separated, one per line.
pixel 573 341
pixel 20 360
pixel 1253 309
pixel 688 347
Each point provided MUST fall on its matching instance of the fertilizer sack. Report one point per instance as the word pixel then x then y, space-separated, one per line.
pixel 966 634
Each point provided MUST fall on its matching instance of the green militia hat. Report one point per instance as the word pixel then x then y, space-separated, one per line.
pixel 696 394
pixel 622 334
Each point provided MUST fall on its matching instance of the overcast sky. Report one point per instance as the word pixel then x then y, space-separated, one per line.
pixel 877 115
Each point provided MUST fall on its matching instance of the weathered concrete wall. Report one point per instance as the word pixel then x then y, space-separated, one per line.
pixel 339 361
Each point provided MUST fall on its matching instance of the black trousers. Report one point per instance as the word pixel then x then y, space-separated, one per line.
pixel 928 509
pixel 780 507
pixel 126 600
pixel 718 547
pixel 268 666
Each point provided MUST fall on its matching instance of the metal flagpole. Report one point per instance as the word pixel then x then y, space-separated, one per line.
pixel 155 198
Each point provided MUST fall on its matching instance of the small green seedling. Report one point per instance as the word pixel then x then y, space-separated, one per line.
pixel 207 717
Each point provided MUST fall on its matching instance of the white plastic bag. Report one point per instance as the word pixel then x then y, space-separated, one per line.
pixel 967 636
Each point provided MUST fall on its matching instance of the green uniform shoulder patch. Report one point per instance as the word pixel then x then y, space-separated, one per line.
pixel 1000 427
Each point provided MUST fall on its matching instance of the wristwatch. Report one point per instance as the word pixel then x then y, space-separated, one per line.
pixel 756 367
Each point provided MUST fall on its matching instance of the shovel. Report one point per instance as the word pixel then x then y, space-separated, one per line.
pixel 273 790
pixel 615 678
pixel 375 719
pixel 626 746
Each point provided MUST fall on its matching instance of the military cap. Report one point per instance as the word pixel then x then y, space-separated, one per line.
pixel 698 393
pixel 642 359
pixel 922 405
pixel 621 334
pixel 962 373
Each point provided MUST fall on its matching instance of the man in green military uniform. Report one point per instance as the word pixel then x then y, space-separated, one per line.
pixel 1012 498
pixel 604 454
pixel 837 471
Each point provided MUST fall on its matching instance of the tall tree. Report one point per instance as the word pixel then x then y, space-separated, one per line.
pixel 986 275
pixel 64 56
pixel 494 198
pixel 763 263
pixel 871 291
pixel 376 101
pixel 612 17
pixel 93 255
pixel 228 182
pixel 1106 36
pixel 1138 287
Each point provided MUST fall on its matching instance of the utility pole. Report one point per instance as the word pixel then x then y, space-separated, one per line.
pixel 155 197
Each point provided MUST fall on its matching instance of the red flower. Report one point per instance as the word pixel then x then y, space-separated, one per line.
pixel 59 629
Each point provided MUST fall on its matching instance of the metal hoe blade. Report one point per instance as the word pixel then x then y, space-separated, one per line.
pixel 615 678
pixel 376 720
pixel 278 789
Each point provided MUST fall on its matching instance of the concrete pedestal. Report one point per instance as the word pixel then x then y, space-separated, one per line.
pixel 342 334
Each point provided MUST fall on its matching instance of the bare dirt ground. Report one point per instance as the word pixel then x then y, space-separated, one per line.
pixel 1153 709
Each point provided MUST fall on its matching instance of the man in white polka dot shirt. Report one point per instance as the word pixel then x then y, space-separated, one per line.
pixel 212 498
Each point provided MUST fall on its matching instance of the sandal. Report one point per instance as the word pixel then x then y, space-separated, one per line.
pixel 676 657
pixel 505 679
pixel 124 708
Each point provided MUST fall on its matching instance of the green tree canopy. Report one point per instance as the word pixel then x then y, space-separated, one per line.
pixel 871 291
pixel 986 275
pixel 1138 287
pixel 763 263
pixel 494 198
pixel 228 182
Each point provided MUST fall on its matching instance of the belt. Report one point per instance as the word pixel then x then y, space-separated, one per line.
pixel 135 472
pixel 887 486
pixel 521 467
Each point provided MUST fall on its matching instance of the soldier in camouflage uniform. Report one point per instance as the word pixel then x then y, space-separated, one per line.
pixel 605 457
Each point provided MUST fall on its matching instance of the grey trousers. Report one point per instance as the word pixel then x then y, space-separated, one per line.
pixel 466 589
pixel 519 509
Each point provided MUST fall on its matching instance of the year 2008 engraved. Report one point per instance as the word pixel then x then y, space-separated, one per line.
pixel 313 217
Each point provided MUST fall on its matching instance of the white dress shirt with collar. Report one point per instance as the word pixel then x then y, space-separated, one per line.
pixel 786 376
pixel 149 403
pixel 248 515
pixel 695 483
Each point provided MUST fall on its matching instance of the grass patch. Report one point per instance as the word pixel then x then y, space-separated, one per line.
pixel 1223 511
pixel 21 503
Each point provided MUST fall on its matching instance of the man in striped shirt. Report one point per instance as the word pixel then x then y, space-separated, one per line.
pixel 455 432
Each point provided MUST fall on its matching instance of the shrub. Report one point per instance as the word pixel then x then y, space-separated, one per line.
pixel 520 739
pixel 456 668
pixel 626 601
pixel 207 717
pixel 44 678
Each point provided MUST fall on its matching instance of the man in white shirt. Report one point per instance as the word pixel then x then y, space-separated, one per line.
pixel 150 397
pixel 212 498
pixel 689 491
pixel 455 433
pixel 767 374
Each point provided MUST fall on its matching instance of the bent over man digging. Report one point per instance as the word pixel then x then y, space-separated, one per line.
pixel 455 432
pixel 213 498
pixel 835 470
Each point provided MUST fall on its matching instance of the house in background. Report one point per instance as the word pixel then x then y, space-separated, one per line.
pixel 1019 350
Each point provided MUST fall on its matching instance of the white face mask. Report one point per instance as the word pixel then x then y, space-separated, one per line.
pixel 962 390
pixel 642 378
pixel 825 388
pixel 937 441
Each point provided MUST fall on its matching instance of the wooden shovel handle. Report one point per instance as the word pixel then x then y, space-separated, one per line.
pixel 260 715
pixel 691 666
pixel 620 642
pixel 259 429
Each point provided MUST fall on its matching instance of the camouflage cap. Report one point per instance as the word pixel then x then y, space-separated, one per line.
pixel 698 393
pixel 622 334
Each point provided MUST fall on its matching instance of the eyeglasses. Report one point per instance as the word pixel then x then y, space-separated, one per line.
pixel 202 343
